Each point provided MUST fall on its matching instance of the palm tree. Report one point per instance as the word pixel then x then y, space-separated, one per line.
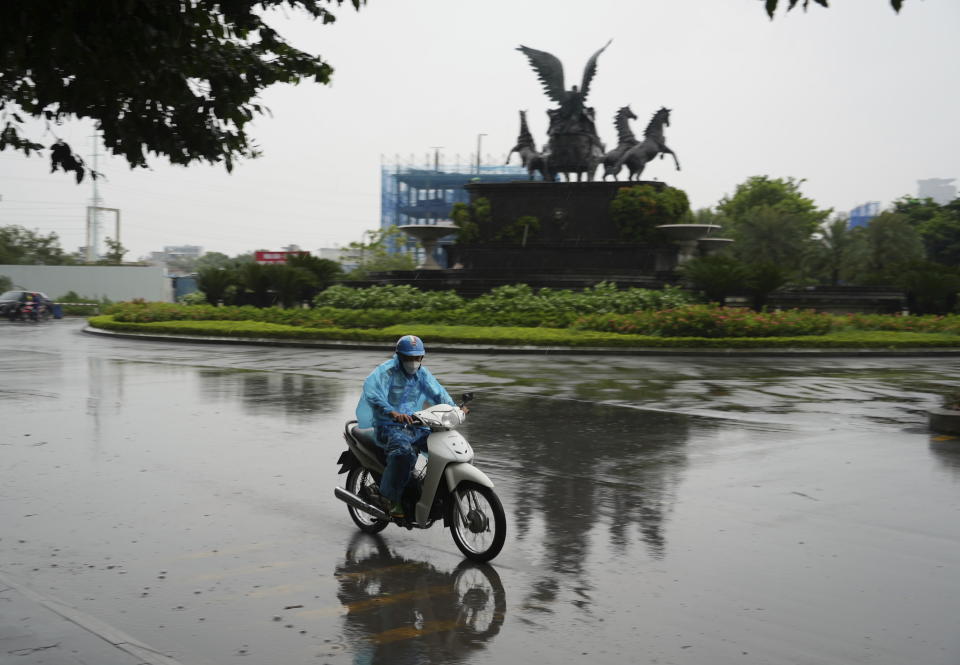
pixel 839 251
pixel 214 282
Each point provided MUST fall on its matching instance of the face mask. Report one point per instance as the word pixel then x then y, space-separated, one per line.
pixel 410 366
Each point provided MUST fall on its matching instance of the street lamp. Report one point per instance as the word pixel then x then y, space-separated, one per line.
pixel 436 157
pixel 479 143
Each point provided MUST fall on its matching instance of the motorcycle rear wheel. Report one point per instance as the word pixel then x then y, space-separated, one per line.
pixel 481 536
pixel 359 482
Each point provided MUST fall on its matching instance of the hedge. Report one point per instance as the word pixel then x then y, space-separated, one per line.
pixel 518 336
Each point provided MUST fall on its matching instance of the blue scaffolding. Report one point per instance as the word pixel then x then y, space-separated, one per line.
pixel 862 214
pixel 410 195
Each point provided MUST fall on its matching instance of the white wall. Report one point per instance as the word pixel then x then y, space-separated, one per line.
pixel 114 282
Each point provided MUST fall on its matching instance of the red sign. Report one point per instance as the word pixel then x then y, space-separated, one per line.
pixel 275 257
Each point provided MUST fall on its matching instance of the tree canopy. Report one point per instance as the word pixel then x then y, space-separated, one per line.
pixel 173 79
pixel 772 5
pixel 19 245
pixel 938 225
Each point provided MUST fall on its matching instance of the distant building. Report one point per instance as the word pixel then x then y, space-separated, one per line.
pixel 173 254
pixel 410 195
pixel 862 214
pixel 939 189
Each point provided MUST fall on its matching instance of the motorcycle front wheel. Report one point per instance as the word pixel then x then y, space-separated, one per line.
pixel 477 522
pixel 360 482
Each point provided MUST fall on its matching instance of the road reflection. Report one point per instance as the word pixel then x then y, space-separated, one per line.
pixel 578 464
pixel 946 450
pixel 401 611
pixel 273 393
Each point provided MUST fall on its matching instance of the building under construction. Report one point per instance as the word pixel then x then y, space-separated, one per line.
pixel 410 195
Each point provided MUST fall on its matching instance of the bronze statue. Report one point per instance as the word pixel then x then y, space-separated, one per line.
pixel 532 160
pixel 625 141
pixel 653 144
pixel 574 144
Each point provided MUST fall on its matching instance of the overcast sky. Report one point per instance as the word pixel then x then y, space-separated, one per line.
pixel 859 101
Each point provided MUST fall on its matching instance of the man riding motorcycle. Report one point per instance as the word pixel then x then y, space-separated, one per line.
pixel 392 392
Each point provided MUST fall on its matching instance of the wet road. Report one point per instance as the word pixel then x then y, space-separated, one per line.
pixel 682 510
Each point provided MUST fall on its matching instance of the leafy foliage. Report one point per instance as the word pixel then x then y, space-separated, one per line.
pixel 177 79
pixel 771 5
pixel 78 305
pixel 388 297
pixel 115 252
pixel 931 288
pixel 638 210
pixel 939 227
pixel 891 242
pixel 711 321
pixel 507 336
pixel 520 231
pixel 473 221
pixel 374 255
pixel 779 196
pixel 19 245
pixel 519 303
pixel 839 252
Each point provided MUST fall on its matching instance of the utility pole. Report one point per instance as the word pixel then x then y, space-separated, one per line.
pixel 436 157
pixel 479 142
pixel 93 210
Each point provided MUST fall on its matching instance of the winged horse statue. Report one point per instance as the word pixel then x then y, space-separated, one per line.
pixel 574 146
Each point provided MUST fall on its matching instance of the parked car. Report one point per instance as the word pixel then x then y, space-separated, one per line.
pixel 24 305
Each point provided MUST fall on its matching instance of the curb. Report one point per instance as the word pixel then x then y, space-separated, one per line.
pixel 944 421
pixel 531 350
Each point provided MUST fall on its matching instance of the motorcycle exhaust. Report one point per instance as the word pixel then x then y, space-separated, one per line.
pixel 358 503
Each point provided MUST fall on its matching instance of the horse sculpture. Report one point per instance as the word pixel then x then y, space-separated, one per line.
pixel 533 161
pixel 653 144
pixel 625 141
pixel 574 145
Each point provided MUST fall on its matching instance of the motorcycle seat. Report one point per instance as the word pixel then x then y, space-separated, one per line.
pixel 365 435
pixel 367 439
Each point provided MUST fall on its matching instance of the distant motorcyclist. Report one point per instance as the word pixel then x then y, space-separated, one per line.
pixel 392 392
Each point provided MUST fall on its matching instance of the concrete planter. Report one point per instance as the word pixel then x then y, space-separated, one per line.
pixel 945 421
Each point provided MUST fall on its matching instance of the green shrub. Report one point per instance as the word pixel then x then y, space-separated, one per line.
pixel 639 209
pixel 195 298
pixel 387 297
pixel 508 336
pixel 929 323
pixel 77 305
pixel 711 321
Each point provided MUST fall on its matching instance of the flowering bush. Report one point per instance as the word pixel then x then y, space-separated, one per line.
pixel 710 321
pixel 929 323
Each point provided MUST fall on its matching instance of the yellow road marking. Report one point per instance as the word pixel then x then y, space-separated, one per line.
pixel 379 571
pixel 411 632
pixel 379 601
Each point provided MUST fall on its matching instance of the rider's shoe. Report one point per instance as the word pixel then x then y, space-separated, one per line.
pixel 396 510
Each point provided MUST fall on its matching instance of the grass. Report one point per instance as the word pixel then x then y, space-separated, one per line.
pixel 522 336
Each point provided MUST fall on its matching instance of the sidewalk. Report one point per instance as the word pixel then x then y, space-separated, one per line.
pixel 39 630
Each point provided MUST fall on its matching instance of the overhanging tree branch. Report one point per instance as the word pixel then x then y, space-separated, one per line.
pixel 172 79
pixel 771 5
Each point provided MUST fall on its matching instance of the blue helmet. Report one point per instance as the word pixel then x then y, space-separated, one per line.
pixel 410 345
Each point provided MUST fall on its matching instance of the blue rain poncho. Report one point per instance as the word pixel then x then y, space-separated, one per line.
pixel 389 388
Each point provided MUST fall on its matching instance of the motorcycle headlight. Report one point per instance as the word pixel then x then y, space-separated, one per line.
pixel 451 419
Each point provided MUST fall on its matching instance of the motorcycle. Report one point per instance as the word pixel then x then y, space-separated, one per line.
pixel 30 311
pixel 444 485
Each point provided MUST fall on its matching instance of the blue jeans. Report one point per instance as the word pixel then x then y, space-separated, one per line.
pixel 402 445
